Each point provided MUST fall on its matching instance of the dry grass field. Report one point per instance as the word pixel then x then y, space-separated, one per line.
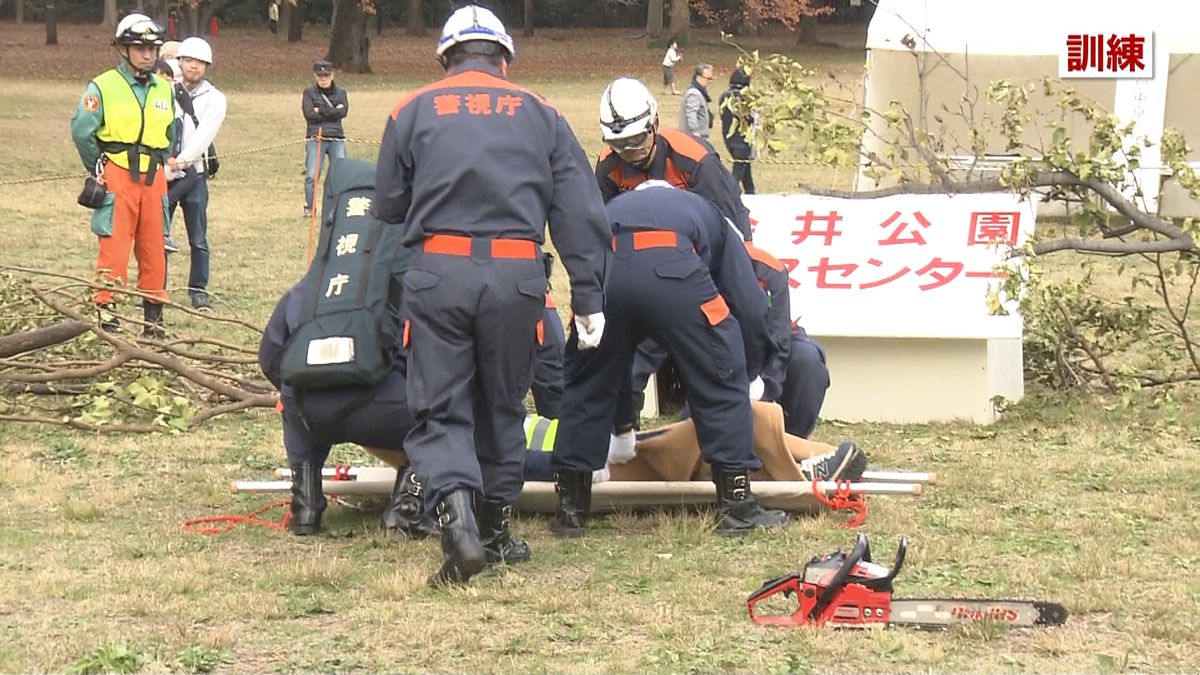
pixel 1070 498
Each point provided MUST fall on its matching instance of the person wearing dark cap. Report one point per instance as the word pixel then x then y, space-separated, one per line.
pixel 325 105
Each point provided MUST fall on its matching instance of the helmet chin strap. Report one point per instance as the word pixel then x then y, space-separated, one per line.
pixel 139 73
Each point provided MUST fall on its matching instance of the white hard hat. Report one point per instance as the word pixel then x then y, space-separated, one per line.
pixel 195 48
pixel 138 29
pixel 473 23
pixel 627 108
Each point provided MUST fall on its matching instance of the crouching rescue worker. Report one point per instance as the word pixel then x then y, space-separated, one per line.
pixel 794 373
pixel 473 167
pixel 682 277
pixel 315 419
pixel 123 128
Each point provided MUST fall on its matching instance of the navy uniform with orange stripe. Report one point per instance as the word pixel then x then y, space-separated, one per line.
pixel 548 363
pixel 474 167
pixel 681 277
pixel 683 161
pixel 794 374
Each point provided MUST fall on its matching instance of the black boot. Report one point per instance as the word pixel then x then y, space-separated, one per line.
pixel 154 329
pixel 574 490
pixel 405 512
pixel 738 511
pixel 308 501
pixel 498 544
pixel 462 550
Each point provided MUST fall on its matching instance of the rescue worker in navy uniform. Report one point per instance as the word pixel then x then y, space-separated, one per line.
pixel 473 167
pixel 317 418
pixel 681 276
pixel 547 384
pixel 794 374
pixel 637 150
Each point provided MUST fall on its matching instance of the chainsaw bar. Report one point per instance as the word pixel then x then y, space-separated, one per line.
pixel 940 613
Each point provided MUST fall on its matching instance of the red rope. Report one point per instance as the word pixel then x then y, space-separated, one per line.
pixel 844 499
pixel 341 472
pixel 230 521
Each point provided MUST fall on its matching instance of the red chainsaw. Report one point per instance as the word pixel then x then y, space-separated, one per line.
pixel 849 591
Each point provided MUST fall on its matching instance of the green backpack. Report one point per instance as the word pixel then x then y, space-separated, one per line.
pixel 349 329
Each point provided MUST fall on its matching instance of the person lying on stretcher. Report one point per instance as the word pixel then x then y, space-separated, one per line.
pixel 668 453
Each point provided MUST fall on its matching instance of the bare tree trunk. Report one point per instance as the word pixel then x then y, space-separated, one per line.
pixel 295 23
pixel 19 11
pixel 349 39
pixel 110 13
pixel 51 24
pixel 141 6
pixel 528 32
pixel 806 34
pixel 416 19
pixel 654 19
pixel 681 20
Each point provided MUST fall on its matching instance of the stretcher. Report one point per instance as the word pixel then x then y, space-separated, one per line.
pixel 539 497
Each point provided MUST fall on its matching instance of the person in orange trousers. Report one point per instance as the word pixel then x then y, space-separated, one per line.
pixel 123 129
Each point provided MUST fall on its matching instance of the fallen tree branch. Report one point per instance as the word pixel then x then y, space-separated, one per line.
pixel 39 338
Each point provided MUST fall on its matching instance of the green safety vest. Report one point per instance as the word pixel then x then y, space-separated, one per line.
pixel 540 433
pixel 126 121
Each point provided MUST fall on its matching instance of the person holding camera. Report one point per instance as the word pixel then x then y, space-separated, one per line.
pixel 201 113
pixel 123 130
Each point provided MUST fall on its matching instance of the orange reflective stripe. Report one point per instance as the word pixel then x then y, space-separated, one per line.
pixel 279 405
pixel 514 248
pixel 715 310
pixel 541 331
pixel 550 302
pixel 451 244
pixel 448 244
pixel 763 257
pixel 654 239
pixel 684 144
pixel 407 328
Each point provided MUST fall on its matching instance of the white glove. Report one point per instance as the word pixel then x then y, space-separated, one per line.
pixel 600 476
pixel 622 447
pixel 589 330
pixel 757 389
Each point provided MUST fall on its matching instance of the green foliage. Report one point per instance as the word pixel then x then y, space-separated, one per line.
pixel 138 397
pixel 114 657
pixel 1076 332
pixel 199 659
pixel 62 450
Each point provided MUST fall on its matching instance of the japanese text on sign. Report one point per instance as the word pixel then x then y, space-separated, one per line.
pixel 878 266
pixel 1121 54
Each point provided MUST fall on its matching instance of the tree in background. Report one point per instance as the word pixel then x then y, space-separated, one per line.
pixel 681 20
pixel 416 19
pixel 733 15
pixel 654 19
pixel 110 13
pixel 350 38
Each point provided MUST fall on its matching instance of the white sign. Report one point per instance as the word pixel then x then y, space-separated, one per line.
pixel 1113 54
pixel 902 266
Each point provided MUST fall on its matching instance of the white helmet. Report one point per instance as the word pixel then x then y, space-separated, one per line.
pixel 627 108
pixel 195 48
pixel 473 23
pixel 138 29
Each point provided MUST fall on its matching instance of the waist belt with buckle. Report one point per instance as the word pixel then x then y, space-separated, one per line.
pixel 471 247
pixel 134 152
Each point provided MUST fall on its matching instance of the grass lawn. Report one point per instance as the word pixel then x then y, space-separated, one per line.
pixel 1068 499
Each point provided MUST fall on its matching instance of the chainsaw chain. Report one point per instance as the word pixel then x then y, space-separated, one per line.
pixel 1048 613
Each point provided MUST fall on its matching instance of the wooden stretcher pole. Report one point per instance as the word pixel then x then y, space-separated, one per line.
pixel 374 473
